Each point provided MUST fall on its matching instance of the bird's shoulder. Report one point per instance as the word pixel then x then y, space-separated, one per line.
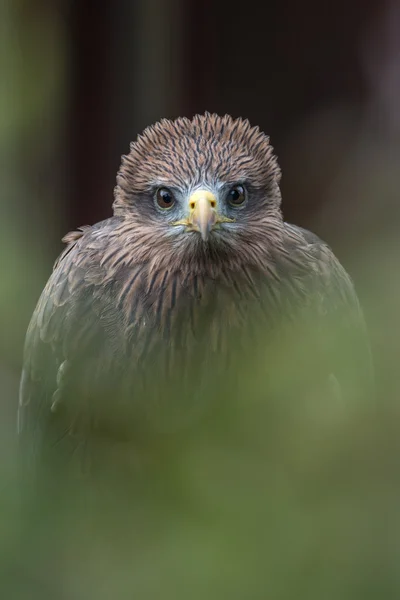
pixel 341 322
pixel 87 243
pixel 79 297
pixel 74 321
pixel 328 276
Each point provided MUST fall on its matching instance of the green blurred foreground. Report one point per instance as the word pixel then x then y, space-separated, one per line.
pixel 268 499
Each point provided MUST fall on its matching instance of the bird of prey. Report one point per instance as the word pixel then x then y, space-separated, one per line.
pixel 147 312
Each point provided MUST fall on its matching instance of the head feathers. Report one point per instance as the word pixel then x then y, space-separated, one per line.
pixel 185 152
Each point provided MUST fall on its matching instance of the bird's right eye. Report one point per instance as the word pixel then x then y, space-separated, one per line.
pixel 165 199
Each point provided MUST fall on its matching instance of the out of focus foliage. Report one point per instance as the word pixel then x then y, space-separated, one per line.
pixel 269 500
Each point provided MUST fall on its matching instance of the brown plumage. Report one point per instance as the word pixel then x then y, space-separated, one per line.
pixel 146 312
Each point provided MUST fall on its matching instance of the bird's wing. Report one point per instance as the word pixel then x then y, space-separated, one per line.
pixel 342 330
pixel 73 341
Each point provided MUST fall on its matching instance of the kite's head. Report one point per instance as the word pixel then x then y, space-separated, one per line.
pixel 202 184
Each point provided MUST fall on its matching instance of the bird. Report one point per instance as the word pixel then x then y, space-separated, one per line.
pixel 148 315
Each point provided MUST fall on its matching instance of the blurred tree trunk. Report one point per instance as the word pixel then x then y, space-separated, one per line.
pixel 32 121
pixel 126 74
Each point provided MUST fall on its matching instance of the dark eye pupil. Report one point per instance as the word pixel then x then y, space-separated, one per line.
pixel 167 198
pixel 236 195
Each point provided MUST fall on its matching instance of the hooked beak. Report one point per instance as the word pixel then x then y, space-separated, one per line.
pixel 203 214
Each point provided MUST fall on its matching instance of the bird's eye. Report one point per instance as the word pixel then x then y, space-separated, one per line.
pixel 165 198
pixel 236 196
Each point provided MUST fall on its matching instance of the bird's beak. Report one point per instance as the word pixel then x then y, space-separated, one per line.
pixel 203 214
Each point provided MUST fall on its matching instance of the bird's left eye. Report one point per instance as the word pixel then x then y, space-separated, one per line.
pixel 236 196
pixel 165 198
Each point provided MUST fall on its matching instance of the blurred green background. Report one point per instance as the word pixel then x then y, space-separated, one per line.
pixel 266 506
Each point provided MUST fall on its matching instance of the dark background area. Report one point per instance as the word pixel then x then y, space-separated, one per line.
pixel 278 63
